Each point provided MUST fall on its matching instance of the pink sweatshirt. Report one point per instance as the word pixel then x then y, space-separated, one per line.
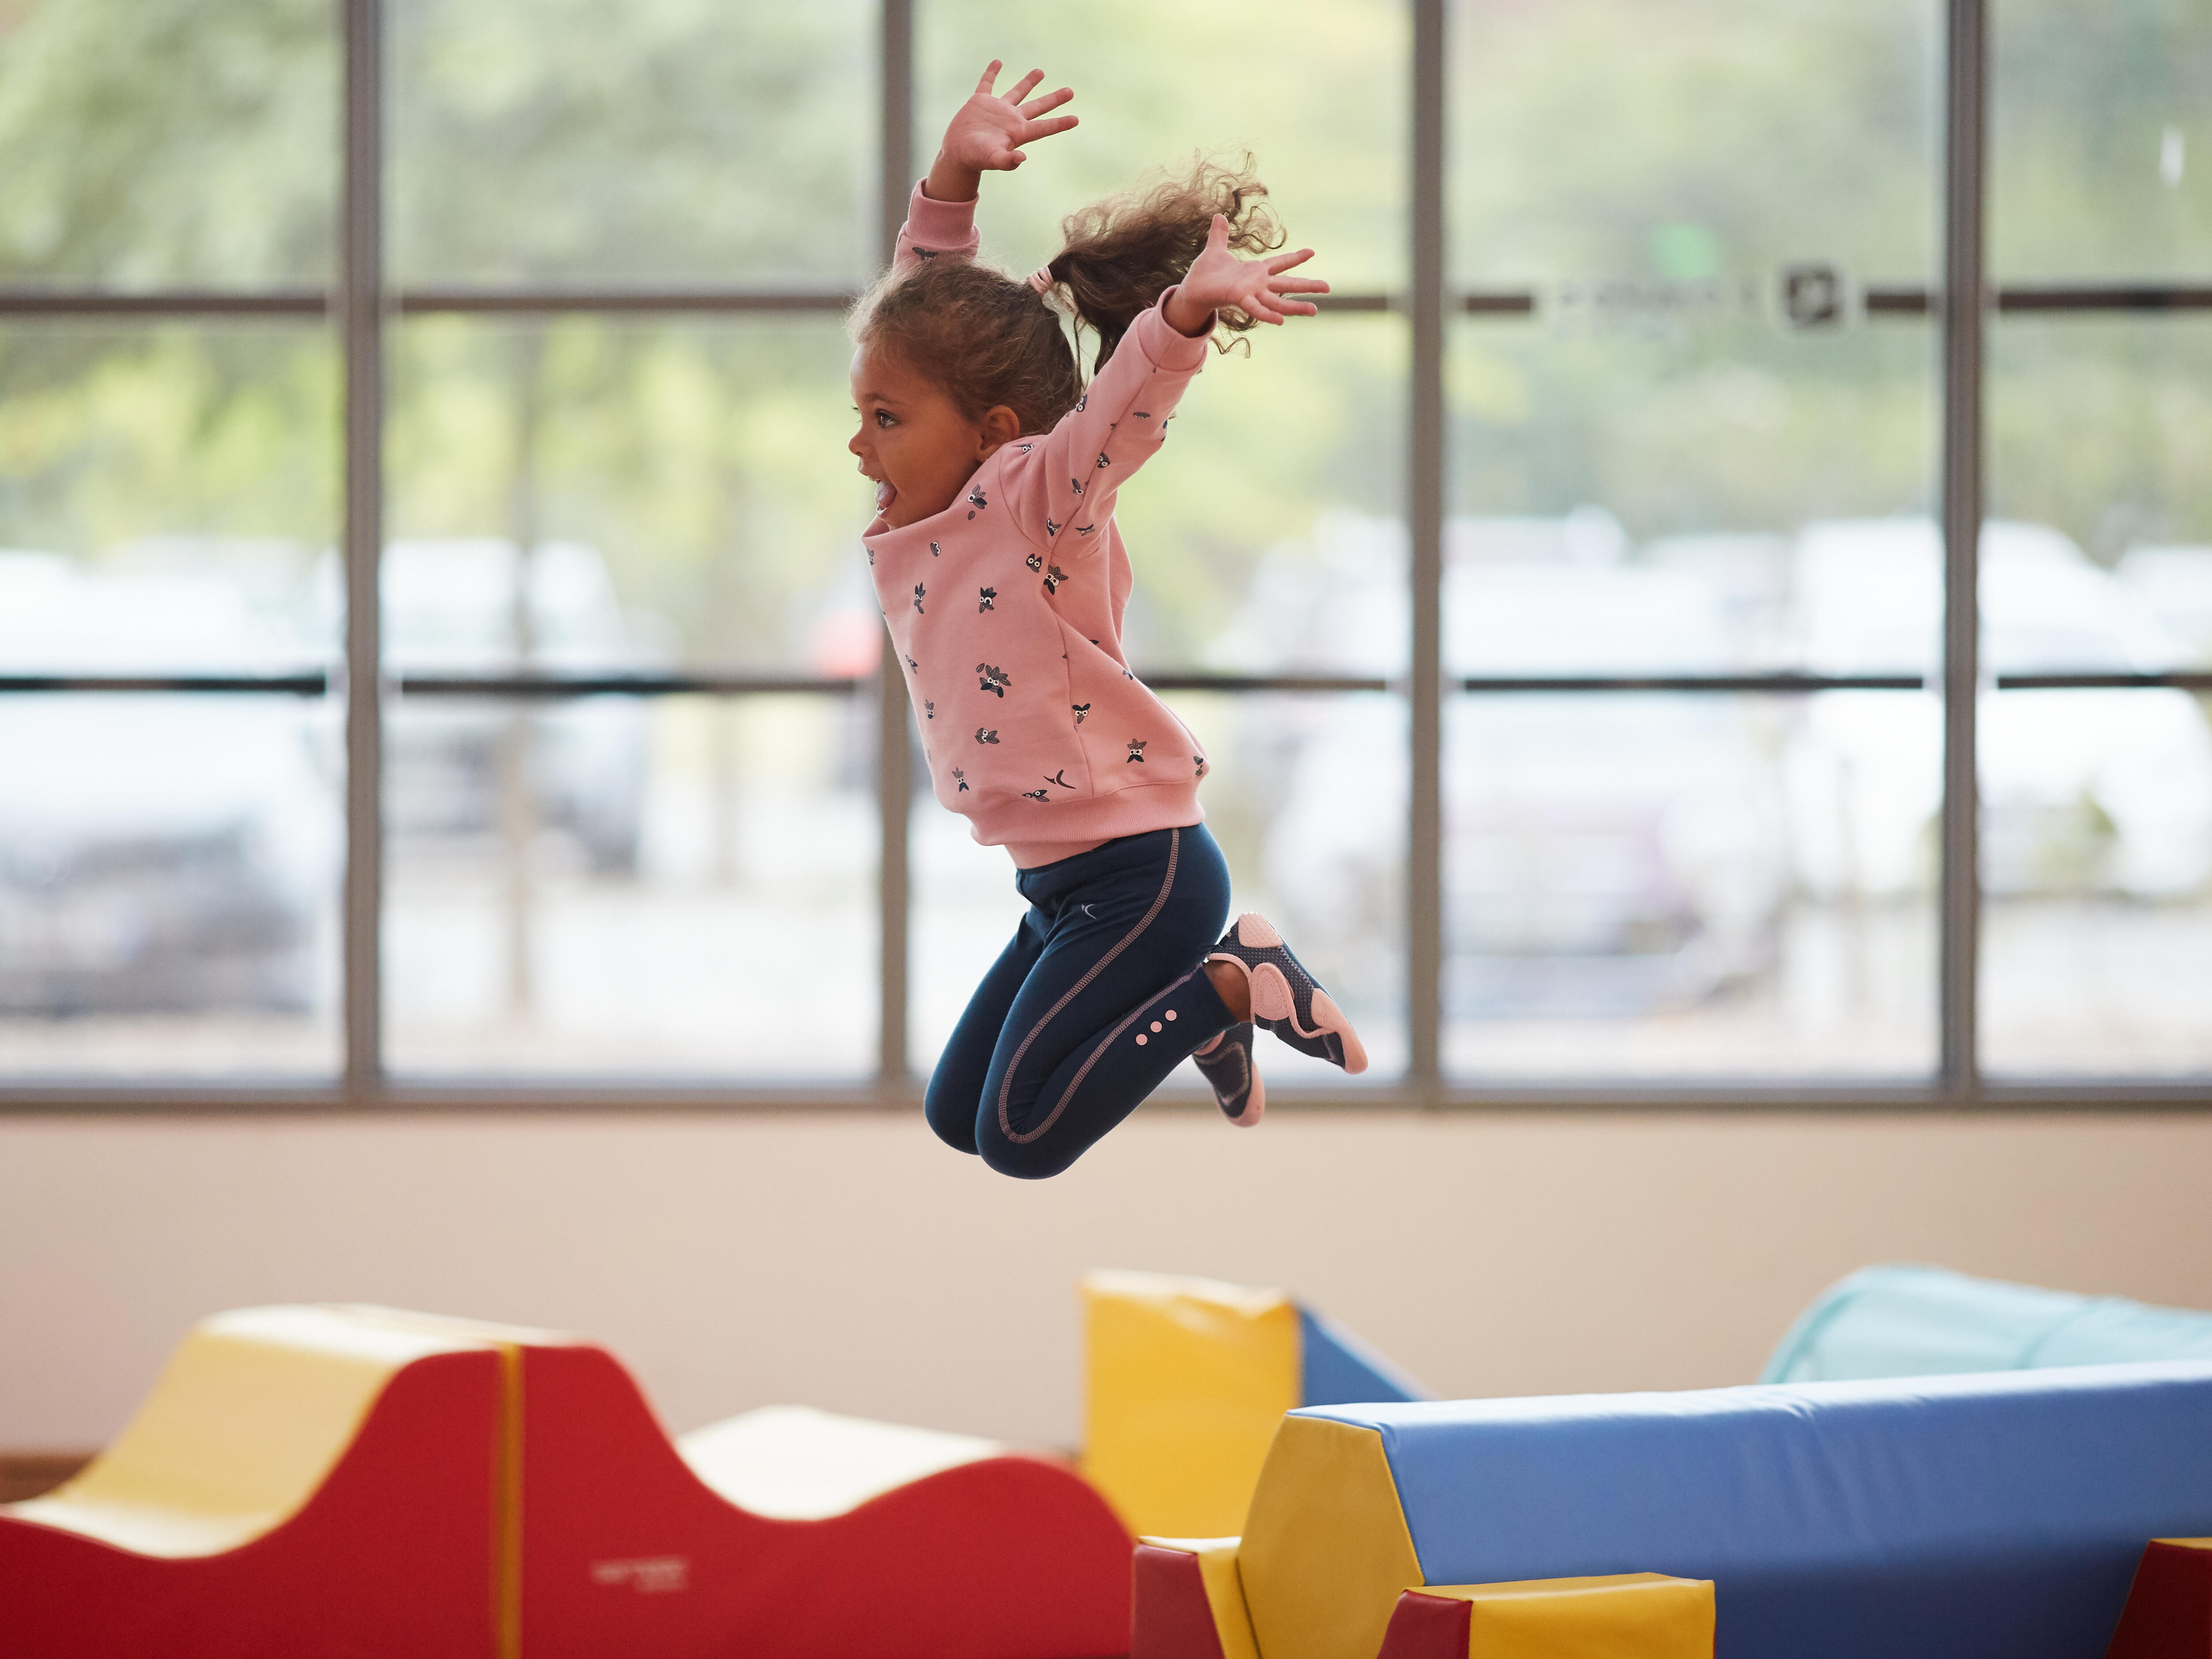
pixel 1006 611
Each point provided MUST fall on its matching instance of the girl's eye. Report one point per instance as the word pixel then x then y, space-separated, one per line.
pixel 883 418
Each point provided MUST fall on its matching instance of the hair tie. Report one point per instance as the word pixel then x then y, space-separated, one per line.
pixel 1040 279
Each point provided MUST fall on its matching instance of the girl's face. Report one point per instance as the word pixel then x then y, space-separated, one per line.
pixel 917 446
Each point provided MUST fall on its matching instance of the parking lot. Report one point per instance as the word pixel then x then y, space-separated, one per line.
pixel 1638 886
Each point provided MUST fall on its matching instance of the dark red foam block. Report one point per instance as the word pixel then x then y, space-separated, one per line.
pixel 625 1550
pixel 1427 1627
pixel 2168 1614
pixel 1170 1616
pixel 393 1554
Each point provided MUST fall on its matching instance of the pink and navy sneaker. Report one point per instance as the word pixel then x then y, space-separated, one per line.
pixel 1286 998
pixel 1227 1064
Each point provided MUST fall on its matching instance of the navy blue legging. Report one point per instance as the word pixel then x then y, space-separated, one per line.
pixel 1098 999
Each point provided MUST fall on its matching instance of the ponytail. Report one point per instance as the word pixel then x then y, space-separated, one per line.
pixel 1121 254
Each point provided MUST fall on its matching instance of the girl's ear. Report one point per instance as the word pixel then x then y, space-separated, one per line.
pixel 1000 426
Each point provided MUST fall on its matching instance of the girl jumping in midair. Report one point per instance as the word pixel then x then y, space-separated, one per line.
pixel 995 470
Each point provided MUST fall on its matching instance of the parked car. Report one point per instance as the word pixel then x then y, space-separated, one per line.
pixel 1603 853
pixel 450 608
pixel 158 852
pixel 2088 790
pixel 2174 584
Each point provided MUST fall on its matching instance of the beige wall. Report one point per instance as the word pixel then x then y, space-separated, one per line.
pixel 853 1263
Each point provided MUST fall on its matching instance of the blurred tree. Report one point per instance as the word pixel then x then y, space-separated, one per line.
pixel 107 435
pixel 2102 135
pixel 153 143
pixel 2102 171
pixel 1606 139
pixel 656 142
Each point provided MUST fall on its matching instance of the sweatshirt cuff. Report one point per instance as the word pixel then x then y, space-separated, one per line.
pixel 1166 345
pixel 933 223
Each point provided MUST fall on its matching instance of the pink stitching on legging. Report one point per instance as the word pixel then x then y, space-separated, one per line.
pixel 1083 1070
pixel 1006 1084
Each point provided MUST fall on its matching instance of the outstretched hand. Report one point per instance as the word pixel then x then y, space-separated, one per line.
pixel 1217 280
pixel 986 133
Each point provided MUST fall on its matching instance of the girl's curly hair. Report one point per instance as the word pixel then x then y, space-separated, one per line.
pixel 987 338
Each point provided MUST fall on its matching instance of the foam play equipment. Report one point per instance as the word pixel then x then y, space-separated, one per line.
pixel 1190 1605
pixel 1900 1319
pixel 1187 1380
pixel 2169 1611
pixel 1983 1517
pixel 1189 1600
pixel 356 1481
pixel 790 1533
pixel 298 1483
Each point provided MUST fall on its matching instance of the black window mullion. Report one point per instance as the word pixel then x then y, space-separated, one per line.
pixel 361 323
pixel 894 721
pixel 1964 304
pixel 1425 520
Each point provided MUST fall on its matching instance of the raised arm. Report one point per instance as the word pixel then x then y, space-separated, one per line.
pixel 1217 280
pixel 1061 485
pixel 986 133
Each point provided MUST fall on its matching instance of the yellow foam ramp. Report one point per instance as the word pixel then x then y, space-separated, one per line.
pixel 1187 1379
pixel 248 1419
pixel 299 1478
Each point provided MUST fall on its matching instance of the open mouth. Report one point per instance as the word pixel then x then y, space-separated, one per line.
pixel 885 494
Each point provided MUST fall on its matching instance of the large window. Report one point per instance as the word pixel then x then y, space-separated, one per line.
pixel 1718 607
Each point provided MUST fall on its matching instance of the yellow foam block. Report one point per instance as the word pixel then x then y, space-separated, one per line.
pixel 1225 1590
pixel 250 1413
pixel 1326 1553
pixel 1638 1615
pixel 1186 1380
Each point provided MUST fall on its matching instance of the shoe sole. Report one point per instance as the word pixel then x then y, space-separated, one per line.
pixel 1272 999
pixel 1255 1103
pixel 1255 1095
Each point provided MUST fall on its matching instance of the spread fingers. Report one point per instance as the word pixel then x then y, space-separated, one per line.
pixel 1036 107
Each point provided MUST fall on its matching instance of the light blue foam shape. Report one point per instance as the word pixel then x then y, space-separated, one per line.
pixel 1900 1319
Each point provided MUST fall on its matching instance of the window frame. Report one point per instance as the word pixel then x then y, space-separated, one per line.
pixel 362 304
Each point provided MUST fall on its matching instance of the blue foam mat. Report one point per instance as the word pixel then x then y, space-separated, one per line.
pixel 1963 1517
